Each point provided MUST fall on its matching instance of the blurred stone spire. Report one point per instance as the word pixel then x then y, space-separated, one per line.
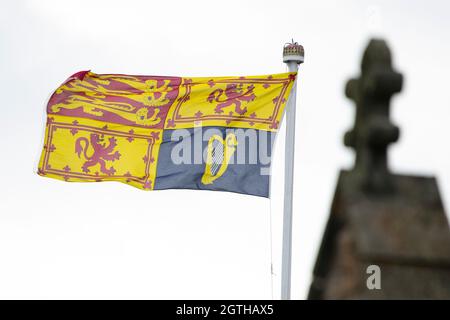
pixel 381 222
pixel 373 130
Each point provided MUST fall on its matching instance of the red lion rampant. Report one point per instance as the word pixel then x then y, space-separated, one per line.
pixel 100 155
pixel 234 94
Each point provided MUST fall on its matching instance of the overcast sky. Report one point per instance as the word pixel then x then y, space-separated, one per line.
pixel 109 240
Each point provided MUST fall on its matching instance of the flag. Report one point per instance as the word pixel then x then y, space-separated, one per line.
pixel 152 132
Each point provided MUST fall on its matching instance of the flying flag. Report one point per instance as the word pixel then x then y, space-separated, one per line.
pixel 151 132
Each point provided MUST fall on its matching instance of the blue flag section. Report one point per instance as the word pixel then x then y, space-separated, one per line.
pixel 216 158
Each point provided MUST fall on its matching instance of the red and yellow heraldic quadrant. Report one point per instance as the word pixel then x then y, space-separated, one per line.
pixel 109 127
pixel 89 150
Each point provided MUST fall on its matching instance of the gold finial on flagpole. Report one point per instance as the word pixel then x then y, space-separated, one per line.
pixel 293 52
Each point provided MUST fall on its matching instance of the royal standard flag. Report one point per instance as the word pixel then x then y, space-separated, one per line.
pixel 151 132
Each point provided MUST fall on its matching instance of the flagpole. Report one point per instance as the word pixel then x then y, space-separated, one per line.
pixel 293 55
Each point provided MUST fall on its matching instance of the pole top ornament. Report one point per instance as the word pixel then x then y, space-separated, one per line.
pixel 293 52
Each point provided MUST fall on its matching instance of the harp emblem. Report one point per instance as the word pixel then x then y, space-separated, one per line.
pixel 219 153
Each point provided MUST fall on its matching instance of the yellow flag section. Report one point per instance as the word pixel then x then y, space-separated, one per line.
pixel 241 102
pixel 89 150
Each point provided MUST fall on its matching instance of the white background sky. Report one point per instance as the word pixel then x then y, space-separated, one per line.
pixel 109 240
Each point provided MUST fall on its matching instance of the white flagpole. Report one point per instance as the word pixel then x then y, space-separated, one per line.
pixel 293 55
